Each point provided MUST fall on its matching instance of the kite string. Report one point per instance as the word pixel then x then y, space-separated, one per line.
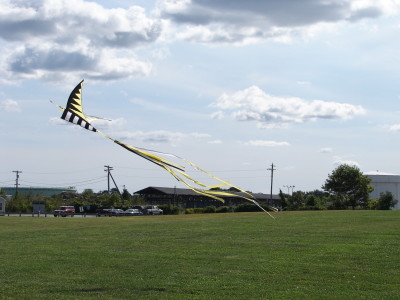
pixel 255 202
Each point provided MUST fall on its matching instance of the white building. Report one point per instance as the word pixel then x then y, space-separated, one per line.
pixel 385 182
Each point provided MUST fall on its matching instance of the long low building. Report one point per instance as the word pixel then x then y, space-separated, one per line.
pixel 36 191
pixel 385 182
pixel 188 198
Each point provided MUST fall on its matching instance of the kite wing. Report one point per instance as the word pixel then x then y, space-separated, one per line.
pixel 73 113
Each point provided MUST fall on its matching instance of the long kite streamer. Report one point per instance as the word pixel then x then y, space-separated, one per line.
pixel 73 113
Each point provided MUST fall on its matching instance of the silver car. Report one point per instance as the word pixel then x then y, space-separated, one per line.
pixel 132 212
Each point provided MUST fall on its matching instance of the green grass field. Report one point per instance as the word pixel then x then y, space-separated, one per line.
pixel 299 255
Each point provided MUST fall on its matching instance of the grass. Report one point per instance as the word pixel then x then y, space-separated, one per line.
pixel 313 255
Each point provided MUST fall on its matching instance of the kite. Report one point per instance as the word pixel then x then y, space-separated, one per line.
pixel 73 113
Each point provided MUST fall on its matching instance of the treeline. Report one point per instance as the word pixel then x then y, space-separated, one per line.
pixel 346 187
pixel 89 200
pixel 320 200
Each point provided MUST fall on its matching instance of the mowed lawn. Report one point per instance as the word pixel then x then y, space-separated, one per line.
pixel 299 255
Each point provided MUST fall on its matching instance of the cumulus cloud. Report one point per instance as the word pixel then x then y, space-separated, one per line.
pixel 395 127
pixel 325 150
pixel 227 21
pixel 264 143
pixel 343 161
pixel 218 115
pixel 10 106
pixel 215 142
pixel 253 104
pixel 160 136
pixel 51 38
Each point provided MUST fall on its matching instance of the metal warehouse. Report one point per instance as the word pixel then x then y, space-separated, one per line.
pixel 385 182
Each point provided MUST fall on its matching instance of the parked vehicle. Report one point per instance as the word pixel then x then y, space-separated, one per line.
pixel 133 212
pixel 116 212
pixel 139 207
pixel 152 210
pixel 64 211
pixel 103 212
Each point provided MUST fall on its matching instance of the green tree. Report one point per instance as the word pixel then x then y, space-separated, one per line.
pixel 386 201
pixel 296 201
pixel 312 202
pixel 348 187
pixel 284 201
pixel 126 195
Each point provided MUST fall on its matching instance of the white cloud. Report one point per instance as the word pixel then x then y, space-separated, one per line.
pixel 51 39
pixel 325 150
pixel 253 104
pixel 395 127
pixel 199 135
pixel 10 106
pixel 263 143
pixel 159 136
pixel 106 124
pixel 342 161
pixel 241 22
pixel 215 142
pixel 218 115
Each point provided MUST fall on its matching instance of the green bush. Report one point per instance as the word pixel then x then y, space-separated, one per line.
pixel 224 209
pixel 209 209
pixel 189 211
pixel 170 209
pixel 246 207
pixel 373 203
pixel 249 207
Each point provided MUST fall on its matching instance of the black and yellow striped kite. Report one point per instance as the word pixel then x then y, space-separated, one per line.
pixel 74 113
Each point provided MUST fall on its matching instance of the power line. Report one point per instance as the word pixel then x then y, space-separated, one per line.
pixel 76 183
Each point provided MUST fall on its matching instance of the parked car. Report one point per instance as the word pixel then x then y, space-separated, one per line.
pixel 103 212
pixel 116 212
pixel 64 211
pixel 133 212
pixel 152 210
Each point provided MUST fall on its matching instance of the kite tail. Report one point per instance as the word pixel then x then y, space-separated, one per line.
pixel 178 172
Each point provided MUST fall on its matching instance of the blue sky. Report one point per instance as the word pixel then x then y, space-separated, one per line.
pixel 233 86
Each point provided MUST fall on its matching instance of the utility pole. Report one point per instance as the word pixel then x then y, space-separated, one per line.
pixel 16 182
pixel 108 170
pixel 272 169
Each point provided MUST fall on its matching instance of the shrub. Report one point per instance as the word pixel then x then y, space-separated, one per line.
pixel 373 203
pixel 246 207
pixel 170 209
pixel 224 209
pixel 209 209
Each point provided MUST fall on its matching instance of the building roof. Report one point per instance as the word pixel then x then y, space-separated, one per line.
pixel 37 191
pixel 380 173
pixel 153 190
